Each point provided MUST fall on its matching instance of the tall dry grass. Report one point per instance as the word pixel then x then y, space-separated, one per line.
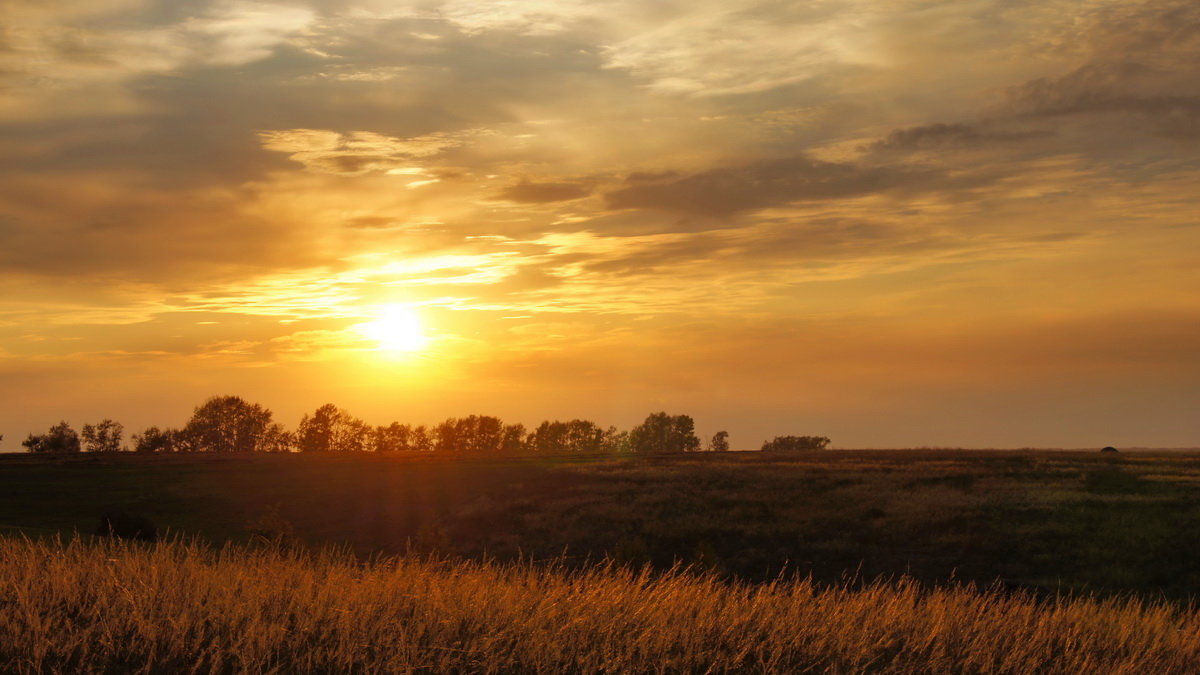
pixel 84 607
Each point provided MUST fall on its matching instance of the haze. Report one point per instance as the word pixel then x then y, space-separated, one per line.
pixel 891 223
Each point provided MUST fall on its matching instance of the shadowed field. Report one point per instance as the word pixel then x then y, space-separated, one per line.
pixel 169 607
pixel 1048 521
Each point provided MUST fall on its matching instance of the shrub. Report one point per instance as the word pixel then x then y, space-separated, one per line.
pixel 60 438
pixel 796 443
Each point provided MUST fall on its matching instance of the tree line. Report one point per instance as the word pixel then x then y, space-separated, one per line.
pixel 230 424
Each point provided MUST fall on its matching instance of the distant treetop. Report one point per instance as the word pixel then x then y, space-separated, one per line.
pixel 60 438
pixel 665 433
pixel 230 424
pixel 796 443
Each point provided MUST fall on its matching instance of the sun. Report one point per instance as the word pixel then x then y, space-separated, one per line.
pixel 397 328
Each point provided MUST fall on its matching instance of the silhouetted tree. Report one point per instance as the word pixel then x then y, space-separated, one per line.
pixel 616 440
pixel 665 433
pixel 60 438
pixel 331 429
pixel 445 437
pixel 315 433
pixel 719 442
pixel 549 437
pixel 154 439
pixel 421 440
pixel 102 437
pixel 566 437
pixel 793 443
pixel 230 424
pixel 474 434
pixel 277 439
pixel 584 436
pixel 483 434
pixel 395 437
pixel 513 440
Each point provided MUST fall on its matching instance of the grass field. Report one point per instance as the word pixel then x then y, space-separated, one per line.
pixel 95 607
pixel 1045 521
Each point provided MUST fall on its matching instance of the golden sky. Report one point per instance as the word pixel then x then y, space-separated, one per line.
pixel 898 223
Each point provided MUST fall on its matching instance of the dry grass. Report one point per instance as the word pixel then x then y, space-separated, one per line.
pixel 87 607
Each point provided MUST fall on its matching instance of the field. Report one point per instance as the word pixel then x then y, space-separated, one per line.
pixel 86 607
pixel 1041 521
pixel 836 561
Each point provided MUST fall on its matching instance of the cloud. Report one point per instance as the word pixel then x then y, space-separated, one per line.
pixel 726 191
pixel 807 248
pixel 1162 34
pixel 116 231
pixel 724 48
pixel 527 192
pixel 942 136
pixel 359 152
pixel 240 32
pixel 1100 88
pixel 528 17
pixel 115 43
pixel 1139 59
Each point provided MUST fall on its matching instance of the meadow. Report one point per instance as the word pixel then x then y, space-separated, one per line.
pixel 107 607
pixel 1046 522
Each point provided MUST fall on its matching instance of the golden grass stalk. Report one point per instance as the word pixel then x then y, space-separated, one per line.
pixel 86 607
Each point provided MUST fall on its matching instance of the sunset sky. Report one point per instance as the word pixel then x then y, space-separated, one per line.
pixel 894 223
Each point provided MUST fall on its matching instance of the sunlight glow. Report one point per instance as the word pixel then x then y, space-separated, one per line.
pixel 397 328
